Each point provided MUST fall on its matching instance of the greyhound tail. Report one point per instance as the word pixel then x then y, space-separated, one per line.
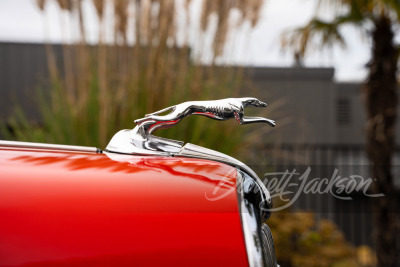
pixel 172 108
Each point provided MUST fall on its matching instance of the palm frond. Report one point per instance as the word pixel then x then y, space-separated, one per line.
pixel 319 34
pixel 316 34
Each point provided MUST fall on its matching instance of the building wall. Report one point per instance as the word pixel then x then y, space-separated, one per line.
pixel 23 68
pixel 320 110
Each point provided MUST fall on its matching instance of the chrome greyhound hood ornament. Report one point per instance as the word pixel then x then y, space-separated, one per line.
pixel 141 141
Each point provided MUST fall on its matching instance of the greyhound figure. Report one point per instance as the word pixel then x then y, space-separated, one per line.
pixel 222 109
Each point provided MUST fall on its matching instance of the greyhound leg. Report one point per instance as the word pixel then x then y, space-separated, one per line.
pixel 247 120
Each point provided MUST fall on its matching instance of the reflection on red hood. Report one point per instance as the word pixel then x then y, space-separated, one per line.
pixel 83 209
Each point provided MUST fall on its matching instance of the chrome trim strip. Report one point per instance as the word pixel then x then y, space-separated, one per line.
pixel 250 197
pixel 32 145
pixel 250 223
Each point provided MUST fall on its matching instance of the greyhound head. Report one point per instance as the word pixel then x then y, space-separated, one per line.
pixel 252 102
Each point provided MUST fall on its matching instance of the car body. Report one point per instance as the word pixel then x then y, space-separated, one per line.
pixel 81 206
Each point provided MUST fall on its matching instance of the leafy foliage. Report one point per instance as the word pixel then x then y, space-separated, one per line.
pixel 302 241
pixel 319 33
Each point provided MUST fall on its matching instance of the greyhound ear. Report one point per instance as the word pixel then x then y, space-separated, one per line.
pixel 246 101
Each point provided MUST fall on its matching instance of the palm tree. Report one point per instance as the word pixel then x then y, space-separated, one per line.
pixel 380 94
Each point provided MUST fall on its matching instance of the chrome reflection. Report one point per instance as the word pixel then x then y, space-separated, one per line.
pixel 251 195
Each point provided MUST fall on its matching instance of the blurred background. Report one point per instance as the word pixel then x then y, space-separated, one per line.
pixel 77 71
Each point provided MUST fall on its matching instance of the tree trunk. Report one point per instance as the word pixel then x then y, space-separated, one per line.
pixel 380 93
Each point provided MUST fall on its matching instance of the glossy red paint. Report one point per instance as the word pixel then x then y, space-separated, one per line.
pixel 81 209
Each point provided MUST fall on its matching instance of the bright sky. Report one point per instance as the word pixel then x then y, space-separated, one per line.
pixel 22 21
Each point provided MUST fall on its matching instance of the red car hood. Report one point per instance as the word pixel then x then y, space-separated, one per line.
pixel 80 209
